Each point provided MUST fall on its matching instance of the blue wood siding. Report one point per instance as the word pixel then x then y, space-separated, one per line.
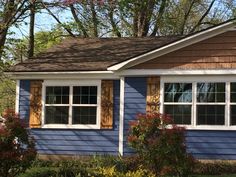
pixel 81 142
pixel 212 144
pixel 24 100
pixel 135 102
pixel 201 143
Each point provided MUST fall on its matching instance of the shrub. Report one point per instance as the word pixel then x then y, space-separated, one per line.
pixel 215 168
pixel 16 147
pixel 109 161
pixel 160 144
pixel 113 172
pixel 39 172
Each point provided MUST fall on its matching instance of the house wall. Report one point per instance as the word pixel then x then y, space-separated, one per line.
pixel 24 100
pixel 218 52
pixel 134 103
pixel 203 144
pixel 73 141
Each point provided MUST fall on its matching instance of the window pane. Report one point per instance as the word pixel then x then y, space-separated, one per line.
pixel 181 114
pixel 56 114
pixel 84 115
pixel 211 92
pixel 233 92
pixel 233 114
pixel 85 95
pixel 178 92
pixel 57 95
pixel 210 114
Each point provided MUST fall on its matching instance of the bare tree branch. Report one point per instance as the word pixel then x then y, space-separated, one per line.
pixel 58 21
pixel 203 16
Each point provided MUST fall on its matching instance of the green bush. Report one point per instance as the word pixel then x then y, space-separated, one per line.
pixel 109 161
pixel 215 168
pixel 160 145
pixel 40 172
pixel 112 172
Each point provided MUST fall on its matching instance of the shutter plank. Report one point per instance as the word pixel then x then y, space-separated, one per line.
pixel 35 104
pixel 107 104
pixel 153 94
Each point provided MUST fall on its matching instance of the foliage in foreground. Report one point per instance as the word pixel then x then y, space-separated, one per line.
pixel 112 166
pixel 16 148
pixel 99 166
pixel 160 144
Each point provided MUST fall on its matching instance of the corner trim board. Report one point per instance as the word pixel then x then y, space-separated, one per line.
pixel 121 125
pixel 17 96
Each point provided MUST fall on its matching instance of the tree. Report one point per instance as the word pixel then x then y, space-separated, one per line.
pixel 42 41
pixel 147 17
pixel 11 12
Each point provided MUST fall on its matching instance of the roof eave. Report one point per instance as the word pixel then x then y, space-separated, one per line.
pixel 63 75
pixel 184 42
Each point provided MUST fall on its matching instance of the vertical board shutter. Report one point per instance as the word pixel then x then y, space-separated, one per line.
pixel 153 94
pixel 35 104
pixel 107 104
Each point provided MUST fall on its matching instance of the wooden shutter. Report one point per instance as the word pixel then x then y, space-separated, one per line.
pixel 35 104
pixel 107 104
pixel 153 94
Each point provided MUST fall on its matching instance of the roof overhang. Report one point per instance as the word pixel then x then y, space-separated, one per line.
pixel 184 42
pixel 63 75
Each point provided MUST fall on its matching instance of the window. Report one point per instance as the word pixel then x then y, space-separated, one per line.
pixel 178 101
pixel 198 102
pixel 71 104
pixel 210 103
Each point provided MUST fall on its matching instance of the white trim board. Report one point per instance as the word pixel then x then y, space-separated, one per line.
pixel 174 72
pixel 121 122
pixel 17 96
pixel 63 75
pixel 192 39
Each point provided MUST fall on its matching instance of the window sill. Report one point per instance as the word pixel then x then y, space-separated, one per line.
pixel 209 127
pixel 62 126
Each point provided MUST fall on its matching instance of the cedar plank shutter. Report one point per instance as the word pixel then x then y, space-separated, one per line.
pixel 107 104
pixel 35 104
pixel 153 94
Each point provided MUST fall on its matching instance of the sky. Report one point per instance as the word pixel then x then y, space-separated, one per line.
pixel 43 22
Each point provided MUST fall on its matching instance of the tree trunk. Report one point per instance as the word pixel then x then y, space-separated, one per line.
pixel 94 19
pixel 3 36
pixel 79 23
pixel 7 14
pixel 31 29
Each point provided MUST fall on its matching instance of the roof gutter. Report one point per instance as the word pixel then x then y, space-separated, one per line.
pixel 192 39
pixel 63 75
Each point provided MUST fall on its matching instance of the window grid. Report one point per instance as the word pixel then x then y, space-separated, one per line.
pixel 94 83
pixel 227 103
pixel 176 104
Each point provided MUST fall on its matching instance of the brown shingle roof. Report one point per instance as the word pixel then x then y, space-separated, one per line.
pixel 90 54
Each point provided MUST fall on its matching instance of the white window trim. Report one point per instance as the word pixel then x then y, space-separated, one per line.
pixel 194 80
pixel 72 83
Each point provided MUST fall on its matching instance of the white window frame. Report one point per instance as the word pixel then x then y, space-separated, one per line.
pixel 194 80
pixel 71 84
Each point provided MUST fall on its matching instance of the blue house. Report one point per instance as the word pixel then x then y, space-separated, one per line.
pixel 80 95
